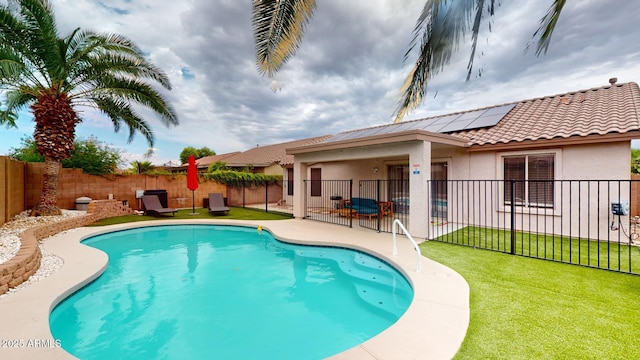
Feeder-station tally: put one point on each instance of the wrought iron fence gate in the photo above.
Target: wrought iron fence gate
(325, 201)
(392, 200)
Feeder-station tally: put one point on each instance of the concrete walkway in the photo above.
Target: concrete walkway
(432, 328)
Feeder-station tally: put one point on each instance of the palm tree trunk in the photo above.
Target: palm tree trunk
(47, 205)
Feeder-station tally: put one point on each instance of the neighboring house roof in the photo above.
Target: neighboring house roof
(267, 155)
(208, 160)
(601, 114)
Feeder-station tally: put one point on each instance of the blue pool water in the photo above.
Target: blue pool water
(226, 292)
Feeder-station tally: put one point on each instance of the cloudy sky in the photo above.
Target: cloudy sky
(348, 71)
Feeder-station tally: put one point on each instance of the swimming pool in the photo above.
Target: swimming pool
(211, 291)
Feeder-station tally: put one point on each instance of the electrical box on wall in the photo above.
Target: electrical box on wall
(620, 208)
(139, 194)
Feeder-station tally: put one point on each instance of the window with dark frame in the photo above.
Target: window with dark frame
(289, 181)
(316, 182)
(533, 176)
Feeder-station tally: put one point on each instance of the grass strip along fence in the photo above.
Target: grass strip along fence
(609, 255)
(581, 222)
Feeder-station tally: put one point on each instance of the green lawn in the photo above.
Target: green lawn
(235, 213)
(600, 254)
(524, 308)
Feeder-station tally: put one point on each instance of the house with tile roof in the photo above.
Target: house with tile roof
(204, 162)
(266, 159)
(580, 135)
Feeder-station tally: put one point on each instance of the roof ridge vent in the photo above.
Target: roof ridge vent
(613, 80)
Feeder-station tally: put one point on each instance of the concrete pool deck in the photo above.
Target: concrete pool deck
(433, 327)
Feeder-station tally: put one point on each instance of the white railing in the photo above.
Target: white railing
(415, 245)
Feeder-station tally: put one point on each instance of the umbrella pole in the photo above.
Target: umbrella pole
(193, 203)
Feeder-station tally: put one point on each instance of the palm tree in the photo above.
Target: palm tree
(279, 25)
(56, 75)
(141, 167)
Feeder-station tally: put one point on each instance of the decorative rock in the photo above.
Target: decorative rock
(28, 258)
(13, 278)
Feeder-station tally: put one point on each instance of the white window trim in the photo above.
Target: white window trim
(557, 170)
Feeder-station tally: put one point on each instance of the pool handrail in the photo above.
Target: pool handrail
(415, 245)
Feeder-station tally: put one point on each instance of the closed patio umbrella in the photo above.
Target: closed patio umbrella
(192, 182)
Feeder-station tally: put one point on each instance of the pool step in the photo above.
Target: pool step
(385, 302)
(357, 266)
(373, 284)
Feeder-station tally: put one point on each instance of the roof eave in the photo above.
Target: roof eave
(410, 135)
(545, 143)
(265, 164)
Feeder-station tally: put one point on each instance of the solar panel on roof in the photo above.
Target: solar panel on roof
(338, 137)
(403, 126)
(479, 119)
(366, 132)
(484, 121)
(378, 130)
(442, 124)
(503, 110)
(471, 115)
(434, 127)
(443, 119)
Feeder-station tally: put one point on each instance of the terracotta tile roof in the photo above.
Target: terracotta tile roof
(263, 156)
(598, 111)
(208, 160)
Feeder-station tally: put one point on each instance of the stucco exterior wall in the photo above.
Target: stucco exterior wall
(598, 161)
(577, 162)
(273, 169)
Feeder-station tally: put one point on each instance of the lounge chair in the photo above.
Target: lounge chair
(216, 203)
(152, 206)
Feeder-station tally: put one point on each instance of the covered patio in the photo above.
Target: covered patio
(399, 156)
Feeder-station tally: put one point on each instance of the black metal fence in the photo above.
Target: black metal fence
(581, 222)
(268, 197)
(325, 201)
(377, 204)
(392, 198)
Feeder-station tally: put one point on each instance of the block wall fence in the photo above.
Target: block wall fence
(73, 183)
(20, 186)
(12, 188)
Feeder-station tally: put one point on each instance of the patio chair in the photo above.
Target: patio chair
(216, 203)
(152, 206)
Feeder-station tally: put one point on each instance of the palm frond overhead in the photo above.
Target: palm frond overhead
(547, 25)
(440, 29)
(278, 28)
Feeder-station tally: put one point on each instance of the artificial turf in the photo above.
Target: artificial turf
(611, 255)
(523, 308)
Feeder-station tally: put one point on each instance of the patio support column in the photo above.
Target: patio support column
(299, 176)
(419, 174)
